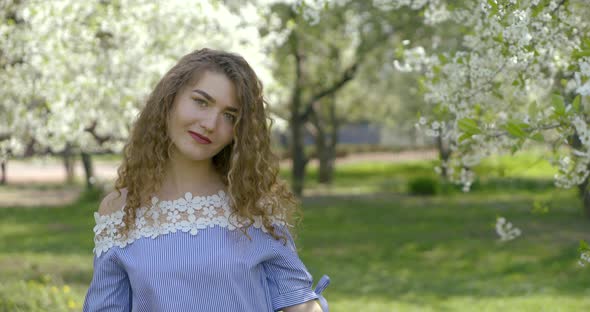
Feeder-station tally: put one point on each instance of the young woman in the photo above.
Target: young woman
(199, 220)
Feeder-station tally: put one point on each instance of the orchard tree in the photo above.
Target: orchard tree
(318, 48)
(521, 76)
(83, 69)
(21, 103)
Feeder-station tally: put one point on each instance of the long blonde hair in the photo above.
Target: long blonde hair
(248, 167)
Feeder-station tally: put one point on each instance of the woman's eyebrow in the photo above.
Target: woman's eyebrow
(212, 100)
(205, 94)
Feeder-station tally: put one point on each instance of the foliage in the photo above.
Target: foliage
(425, 185)
(520, 76)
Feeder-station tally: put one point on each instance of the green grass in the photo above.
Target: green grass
(521, 173)
(46, 256)
(418, 254)
(384, 250)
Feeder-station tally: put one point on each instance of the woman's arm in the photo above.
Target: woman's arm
(289, 281)
(309, 306)
(110, 289)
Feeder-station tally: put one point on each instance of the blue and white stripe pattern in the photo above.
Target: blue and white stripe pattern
(216, 269)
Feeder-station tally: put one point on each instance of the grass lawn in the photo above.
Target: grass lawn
(384, 250)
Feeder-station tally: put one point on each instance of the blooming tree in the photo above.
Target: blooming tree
(521, 75)
(319, 48)
(89, 65)
(74, 74)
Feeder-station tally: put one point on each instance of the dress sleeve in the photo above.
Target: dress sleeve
(289, 280)
(109, 290)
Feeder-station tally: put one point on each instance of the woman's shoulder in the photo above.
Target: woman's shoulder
(112, 202)
(189, 213)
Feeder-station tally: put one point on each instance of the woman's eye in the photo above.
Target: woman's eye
(201, 102)
(231, 117)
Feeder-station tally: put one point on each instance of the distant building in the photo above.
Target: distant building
(362, 132)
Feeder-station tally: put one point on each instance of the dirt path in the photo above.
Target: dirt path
(26, 178)
(28, 196)
(19, 172)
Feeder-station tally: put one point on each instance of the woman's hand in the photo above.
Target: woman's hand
(309, 306)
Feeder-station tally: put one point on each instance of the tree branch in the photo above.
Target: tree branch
(100, 139)
(347, 75)
(542, 127)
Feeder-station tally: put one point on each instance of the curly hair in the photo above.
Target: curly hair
(248, 167)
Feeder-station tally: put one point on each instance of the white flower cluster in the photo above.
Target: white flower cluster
(506, 230)
(311, 9)
(584, 258)
(76, 64)
(582, 78)
(436, 13)
(396, 4)
(571, 173)
(465, 176)
(513, 53)
(415, 59)
(434, 129)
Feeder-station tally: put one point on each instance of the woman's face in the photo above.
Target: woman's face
(207, 108)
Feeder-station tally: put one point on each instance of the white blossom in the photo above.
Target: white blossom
(510, 55)
(506, 230)
(94, 63)
(584, 258)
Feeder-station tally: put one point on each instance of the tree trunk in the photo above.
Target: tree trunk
(298, 156)
(584, 193)
(326, 140)
(326, 170)
(583, 190)
(300, 109)
(320, 145)
(3, 178)
(297, 120)
(69, 162)
(326, 166)
(89, 170)
(444, 152)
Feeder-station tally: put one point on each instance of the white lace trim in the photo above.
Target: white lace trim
(187, 214)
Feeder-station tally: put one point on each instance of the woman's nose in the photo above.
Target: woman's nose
(210, 121)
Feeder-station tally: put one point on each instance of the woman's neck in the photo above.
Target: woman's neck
(184, 175)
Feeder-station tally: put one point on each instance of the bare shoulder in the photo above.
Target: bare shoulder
(112, 202)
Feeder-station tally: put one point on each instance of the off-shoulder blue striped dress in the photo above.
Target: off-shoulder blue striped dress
(189, 255)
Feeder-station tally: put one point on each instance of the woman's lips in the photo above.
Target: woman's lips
(199, 138)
